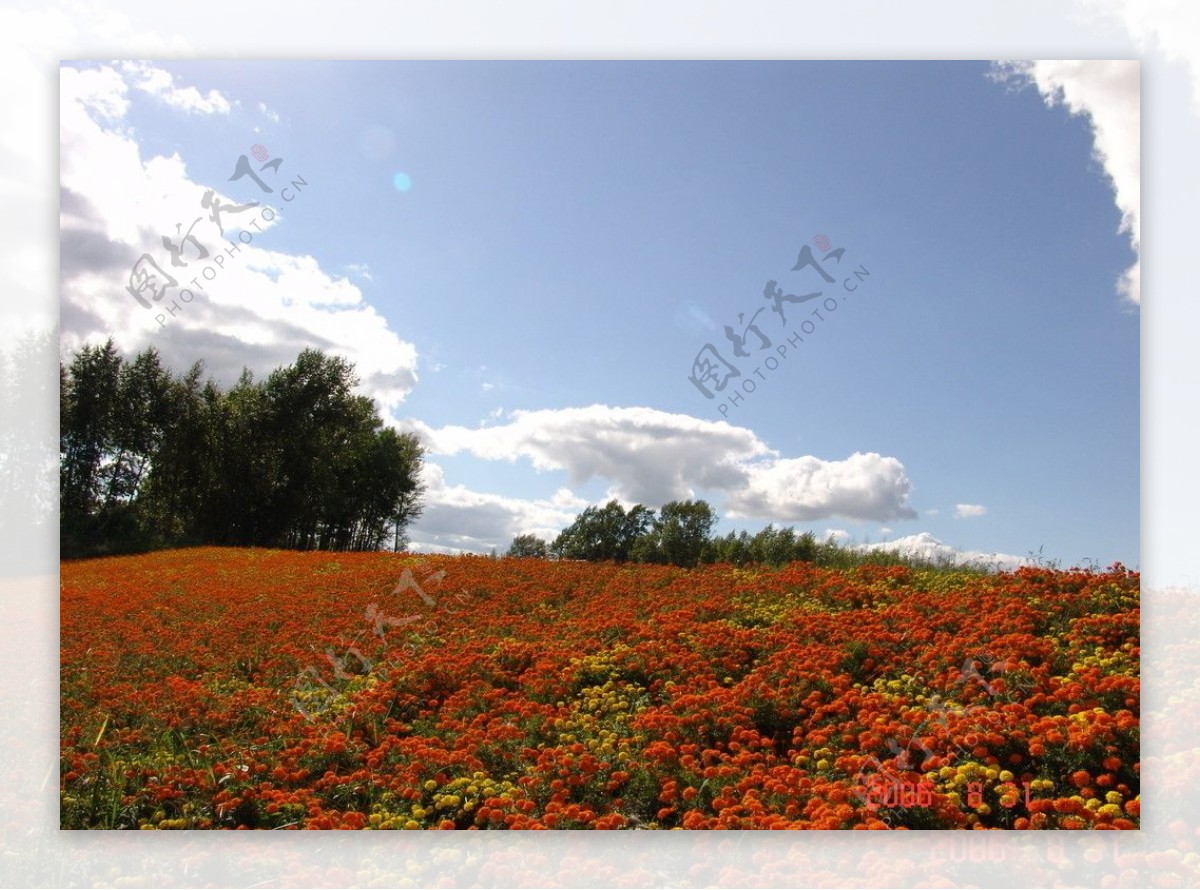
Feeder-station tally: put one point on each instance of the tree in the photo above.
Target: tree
(328, 474)
(179, 499)
(88, 407)
(770, 546)
(648, 549)
(733, 548)
(773, 546)
(87, 412)
(683, 529)
(603, 533)
(528, 546)
(139, 425)
(298, 460)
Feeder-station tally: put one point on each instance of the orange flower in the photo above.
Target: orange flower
(570, 694)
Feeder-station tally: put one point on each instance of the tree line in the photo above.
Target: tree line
(149, 459)
(680, 534)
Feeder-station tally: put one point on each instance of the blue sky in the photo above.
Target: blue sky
(574, 233)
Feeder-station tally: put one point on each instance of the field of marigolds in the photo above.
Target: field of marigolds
(225, 688)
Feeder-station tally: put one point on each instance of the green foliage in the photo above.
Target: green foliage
(603, 533)
(296, 461)
(771, 546)
(681, 535)
(677, 536)
(528, 546)
(683, 528)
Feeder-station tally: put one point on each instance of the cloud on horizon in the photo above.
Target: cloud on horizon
(925, 546)
(652, 457)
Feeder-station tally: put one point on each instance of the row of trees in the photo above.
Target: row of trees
(679, 534)
(150, 459)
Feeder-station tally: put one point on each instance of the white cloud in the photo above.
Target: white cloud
(1109, 94)
(1171, 25)
(863, 486)
(652, 457)
(967, 511)
(260, 308)
(268, 113)
(492, 416)
(161, 84)
(926, 546)
(457, 519)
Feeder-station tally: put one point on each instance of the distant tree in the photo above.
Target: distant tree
(770, 546)
(682, 530)
(806, 548)
(528, 546)
(648, 549)
(733, 548)
(603, 533)
(639, 521)
(773, 546)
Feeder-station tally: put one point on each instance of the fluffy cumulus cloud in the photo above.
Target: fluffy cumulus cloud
(648, 456)
(926, 546)
(652, 457)
(862, 486)
(969, 511)
(1108, 93)
(249, 306)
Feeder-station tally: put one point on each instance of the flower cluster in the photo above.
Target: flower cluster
(577, 695)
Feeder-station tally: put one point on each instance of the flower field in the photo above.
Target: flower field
(255, 689)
